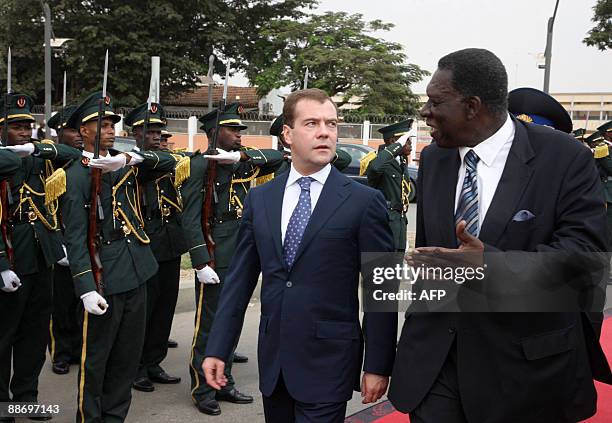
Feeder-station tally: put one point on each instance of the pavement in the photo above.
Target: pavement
(172, 403)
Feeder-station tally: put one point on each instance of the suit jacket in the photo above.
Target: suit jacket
(527, 367)
(309, 327)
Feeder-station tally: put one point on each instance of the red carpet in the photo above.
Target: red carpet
(384, 412)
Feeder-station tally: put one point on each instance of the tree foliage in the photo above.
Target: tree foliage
(600, 35)
(183, 33)
(342, 58)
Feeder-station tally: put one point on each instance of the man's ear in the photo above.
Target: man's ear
(473, 106)
(287, 135)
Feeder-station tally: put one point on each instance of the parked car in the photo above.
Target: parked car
(357, 152)
(124, 144)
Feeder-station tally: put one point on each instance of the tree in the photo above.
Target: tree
(183, 33)
(342, 58)
(601, 34)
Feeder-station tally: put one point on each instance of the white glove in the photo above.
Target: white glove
(64, 261)
(109, 163)
(136, 158)
(403, 139)
(23, 150)
(207, 275)
(10, 281)
(224, 157)
(94, 303)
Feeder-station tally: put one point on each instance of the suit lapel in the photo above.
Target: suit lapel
(334, 193)
(274, 206)
(444, 186)
(514, 180)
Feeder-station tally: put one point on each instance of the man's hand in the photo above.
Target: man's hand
(94, 303)
(22, 150)
(214, 369)
(373, 387)
(404, 139)
(64, 260)
(109, 163)
(207, 275)
(225, 157)
(10, 281)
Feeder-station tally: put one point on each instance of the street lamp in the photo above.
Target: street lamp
(548, 51)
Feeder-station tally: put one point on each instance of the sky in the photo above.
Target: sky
(514, 30)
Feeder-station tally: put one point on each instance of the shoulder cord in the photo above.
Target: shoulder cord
(233, 198)
(134, 205)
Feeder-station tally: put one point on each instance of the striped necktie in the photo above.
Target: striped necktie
(467, 208)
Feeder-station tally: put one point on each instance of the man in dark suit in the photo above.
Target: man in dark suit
(305, 231)
(491, 183)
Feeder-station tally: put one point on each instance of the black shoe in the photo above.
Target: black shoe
(234, 396)
(172, 343)
(240, 358)
(165, 378)
(143, 384)
(210, 407)
(41, 418)
(60, 368)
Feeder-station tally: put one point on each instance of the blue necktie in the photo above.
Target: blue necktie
(467, 208)
(297, 222)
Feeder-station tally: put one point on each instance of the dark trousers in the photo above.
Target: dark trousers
(280, 407)
(442, 403)
(65, 342)
(207, 300)
(162, 293)
(24, 335)
(109, 358)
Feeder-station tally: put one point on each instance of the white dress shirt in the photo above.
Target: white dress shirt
(493, 153)
(293, 190)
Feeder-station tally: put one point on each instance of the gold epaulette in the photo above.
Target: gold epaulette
(55, 185)
(47, 141)
(182, 171)
(601, 151)
(179, 150)
(365, 162)
(263, 179)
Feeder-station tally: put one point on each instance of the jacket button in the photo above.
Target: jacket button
(289, 284)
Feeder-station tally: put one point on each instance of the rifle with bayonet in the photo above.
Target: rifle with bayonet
(95, 206)
(5, 191)
(210, 194)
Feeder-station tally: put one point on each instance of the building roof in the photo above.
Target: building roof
(247, 96)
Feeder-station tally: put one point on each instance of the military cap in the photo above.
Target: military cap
(138, 114)
(535, 106)
(396, 130)
(605, 127)
(579, 133)
(595, 136)
(88, 110)
(19, 108)
(276, 128)
(166, 134)
(60, 119)
(230, 117)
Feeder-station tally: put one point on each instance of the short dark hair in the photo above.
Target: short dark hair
(294, 98)
(478, 72)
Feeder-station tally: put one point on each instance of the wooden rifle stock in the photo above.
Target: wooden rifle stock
(207, 210)
(5, 199)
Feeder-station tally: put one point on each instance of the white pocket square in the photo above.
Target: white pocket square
(522, 216)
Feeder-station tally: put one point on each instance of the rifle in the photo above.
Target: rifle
(5, 191)
(95, 207)
(210, 194)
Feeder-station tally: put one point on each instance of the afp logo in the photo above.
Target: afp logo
(21, 102)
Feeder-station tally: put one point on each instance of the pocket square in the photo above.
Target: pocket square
(522, 216)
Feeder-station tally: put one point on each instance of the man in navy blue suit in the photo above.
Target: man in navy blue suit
(305, 231)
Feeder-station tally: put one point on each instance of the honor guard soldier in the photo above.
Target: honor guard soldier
(215, 214)
(65, 344)
(386, 171)
(110, 259)
(36, 246)
(340, 161)
(161, 207)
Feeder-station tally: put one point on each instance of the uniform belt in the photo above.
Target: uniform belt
(228, 216)
(394, 207)
(26, 217)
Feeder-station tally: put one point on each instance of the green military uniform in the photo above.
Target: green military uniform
(25, 313)
(604, 166)
(65, 334)
(387, 171)
(232, 184)
(111, 341)
(340, 161)
(162, 207)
